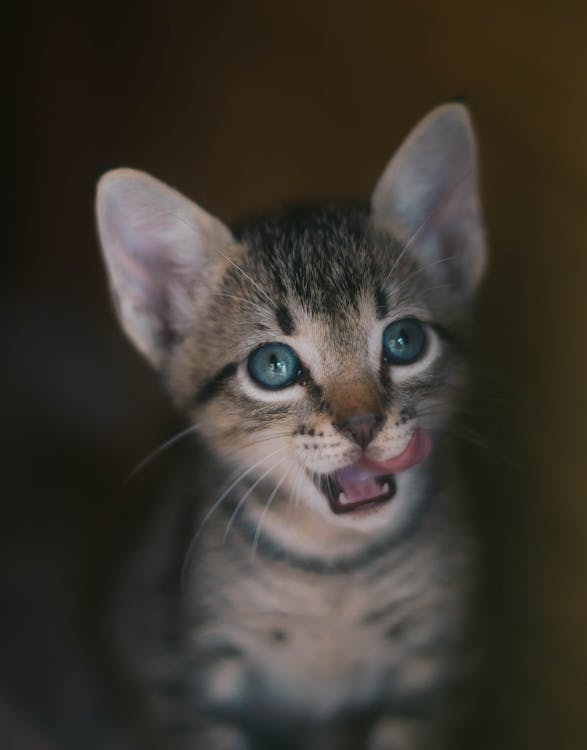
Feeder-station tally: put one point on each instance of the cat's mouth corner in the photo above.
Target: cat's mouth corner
(366, 485)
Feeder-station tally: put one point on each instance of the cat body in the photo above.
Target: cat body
(326, 567)
(337, 644)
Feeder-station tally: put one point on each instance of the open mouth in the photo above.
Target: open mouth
(366, 485)
(352, 488)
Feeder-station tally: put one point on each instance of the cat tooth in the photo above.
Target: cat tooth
(342, 498)
(385, 488)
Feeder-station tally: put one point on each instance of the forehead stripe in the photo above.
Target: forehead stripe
(381, 306)
(215, 384)
(284, 320)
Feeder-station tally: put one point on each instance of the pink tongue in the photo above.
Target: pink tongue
(359, 480)
(357, 483)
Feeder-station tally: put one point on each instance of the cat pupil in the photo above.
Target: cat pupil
(277, 365)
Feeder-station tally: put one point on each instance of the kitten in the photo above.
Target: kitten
(327, 566)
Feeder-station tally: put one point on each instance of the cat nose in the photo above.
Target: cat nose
(361, 429)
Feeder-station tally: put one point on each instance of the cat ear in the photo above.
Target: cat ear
(161, 252)
(428, 198)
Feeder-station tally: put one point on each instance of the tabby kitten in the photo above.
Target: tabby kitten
(327, 571)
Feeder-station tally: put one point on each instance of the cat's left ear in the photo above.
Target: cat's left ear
(428, 198)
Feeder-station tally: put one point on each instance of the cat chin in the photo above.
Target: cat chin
(314, 525)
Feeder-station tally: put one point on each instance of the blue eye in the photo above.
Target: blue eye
(274, 366)
(404, 342)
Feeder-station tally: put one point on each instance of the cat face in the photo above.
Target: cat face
(336, 366)
(315, 348)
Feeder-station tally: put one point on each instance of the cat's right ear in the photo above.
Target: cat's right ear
(162, 254)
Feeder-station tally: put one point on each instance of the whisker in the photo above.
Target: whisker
(411, 239)
(436, 287)
(233, 484)
(235, 297)
(316, 478)
(405, 282)
(298, 490)
(159, 450)
(428, 266)
(216, 505)
(408, 244)
(235, 449)
(264, 513)
(249, 278)
(313, 475)
(233, 263)
(243, 499)
(486, 446)
(329, 484)
(156, 452)
(255, 306)
(293, 496)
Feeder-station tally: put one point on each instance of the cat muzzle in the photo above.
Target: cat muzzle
(366, 484)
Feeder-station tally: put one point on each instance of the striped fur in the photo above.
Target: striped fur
(266, 620)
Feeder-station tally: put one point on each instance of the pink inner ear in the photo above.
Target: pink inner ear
(134, 268)
(128, 256)
(142, 245)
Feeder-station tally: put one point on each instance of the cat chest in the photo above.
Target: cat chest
(297, 648)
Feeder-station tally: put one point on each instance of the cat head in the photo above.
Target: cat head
(317, 349)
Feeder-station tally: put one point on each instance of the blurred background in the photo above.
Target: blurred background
(245, 106)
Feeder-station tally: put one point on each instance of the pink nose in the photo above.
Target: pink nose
(361, 429)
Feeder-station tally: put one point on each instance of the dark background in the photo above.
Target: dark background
(244, 106)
